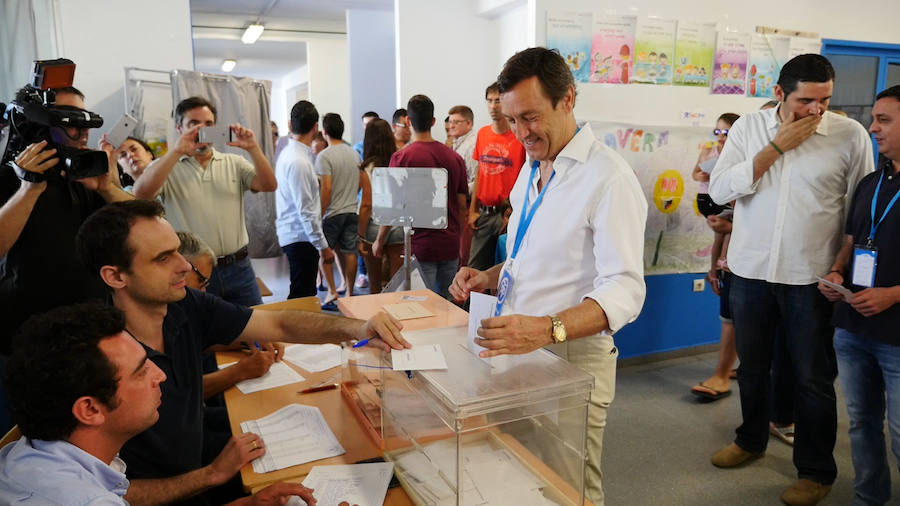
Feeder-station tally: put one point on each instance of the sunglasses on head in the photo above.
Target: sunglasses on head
(204, 281)
(720, 131)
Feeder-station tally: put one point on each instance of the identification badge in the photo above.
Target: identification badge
(865, 260)
(504, 287)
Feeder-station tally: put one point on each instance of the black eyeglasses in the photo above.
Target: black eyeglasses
(204, 281)
(720, 131)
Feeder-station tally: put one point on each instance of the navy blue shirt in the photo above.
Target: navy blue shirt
(174, 445)
(883, 326)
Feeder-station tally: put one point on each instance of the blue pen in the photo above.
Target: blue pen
(361, 343)
(256, 343)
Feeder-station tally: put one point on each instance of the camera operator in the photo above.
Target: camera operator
(39, 269)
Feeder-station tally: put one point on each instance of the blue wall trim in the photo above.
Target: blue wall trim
(674, 317)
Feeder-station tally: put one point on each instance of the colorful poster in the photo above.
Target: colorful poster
(803, 45)
(767, 54)
(694, 46)
(654, 51)
(730, 67)
(612, 48)
(677, 238)
(570, 34)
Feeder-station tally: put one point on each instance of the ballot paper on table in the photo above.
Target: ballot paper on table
(845, 292)
(313, 357)
(362, 484)
(293, 435)
(420, 357)
(279, 374)
(407, 310)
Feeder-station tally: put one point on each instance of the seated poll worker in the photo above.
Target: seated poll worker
(135, 251)
(576, 237)
(80, 387)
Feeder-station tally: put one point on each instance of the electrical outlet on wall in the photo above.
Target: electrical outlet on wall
(699, 285)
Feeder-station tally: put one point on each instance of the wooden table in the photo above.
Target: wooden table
(446, 314)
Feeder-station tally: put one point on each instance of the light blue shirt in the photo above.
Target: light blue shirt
(33, 471)
(297, 204)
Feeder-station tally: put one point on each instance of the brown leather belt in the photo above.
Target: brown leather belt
(231, 258)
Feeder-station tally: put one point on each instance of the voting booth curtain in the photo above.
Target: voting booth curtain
(246, 101)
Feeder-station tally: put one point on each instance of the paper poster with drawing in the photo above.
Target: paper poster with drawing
(730, 66)
(612, 48)
(694, 46)
(654, 51)
(767, 54)
(804, 45)
(570, 34)
(677, 238)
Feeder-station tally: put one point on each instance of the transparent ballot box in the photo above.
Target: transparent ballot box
(512, 430)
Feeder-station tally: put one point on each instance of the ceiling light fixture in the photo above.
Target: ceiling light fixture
(228, 65)
(252, 33)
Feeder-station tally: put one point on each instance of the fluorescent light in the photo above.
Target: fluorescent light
(252, 33)
(228, 65)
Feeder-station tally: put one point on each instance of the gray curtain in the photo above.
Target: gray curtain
(18, 46)
(246, 101)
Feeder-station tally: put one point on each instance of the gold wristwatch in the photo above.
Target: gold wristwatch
(558, 332)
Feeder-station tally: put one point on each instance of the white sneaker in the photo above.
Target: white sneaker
(362, 281)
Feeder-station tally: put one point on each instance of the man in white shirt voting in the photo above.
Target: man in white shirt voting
(791, 171)
(576, 236)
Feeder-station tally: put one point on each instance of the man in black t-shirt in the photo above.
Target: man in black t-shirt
(135, 252)
(866, 337)
(38, 221)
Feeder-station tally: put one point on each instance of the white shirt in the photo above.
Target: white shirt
(586, 239)
(298, 207)
(464, 147)
(788, 224)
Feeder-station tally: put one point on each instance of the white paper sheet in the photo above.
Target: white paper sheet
(293, 435)
(361, 484)
(279, 374)
(407, 310)
(481, 307)
(845, 293)
(419, 358)
(313, 357)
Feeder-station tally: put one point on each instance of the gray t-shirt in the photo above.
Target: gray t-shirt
(341, 162)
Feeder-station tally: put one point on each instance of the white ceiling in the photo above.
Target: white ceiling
(218, 26)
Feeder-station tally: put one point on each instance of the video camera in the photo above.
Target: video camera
(33, 112)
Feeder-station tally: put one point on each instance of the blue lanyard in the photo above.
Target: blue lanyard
(528, 214)
(875, 224)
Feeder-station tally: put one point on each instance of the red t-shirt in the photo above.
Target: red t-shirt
(500, 156)
(430, 245)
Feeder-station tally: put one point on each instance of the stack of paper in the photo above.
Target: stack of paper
(313, 357)
(491, 476)
(279, 374)
(293, 435)
(361, 484)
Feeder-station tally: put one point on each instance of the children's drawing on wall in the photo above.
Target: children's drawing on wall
(767, 54)
(730, 66)
(570, 34)
(654, 51)
(694, 45)
(612, 47)
(677, 238)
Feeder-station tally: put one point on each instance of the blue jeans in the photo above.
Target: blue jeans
(805, 315)
(439, 275)
(235, 283)
(869, 371)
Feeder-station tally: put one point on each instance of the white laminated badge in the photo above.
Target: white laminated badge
(864, 262)
(504, 286)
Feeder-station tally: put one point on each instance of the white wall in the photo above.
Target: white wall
(448, 52)
(283, 97)
(664, 105)
(104, 36)
(329, 80)
(373, 76)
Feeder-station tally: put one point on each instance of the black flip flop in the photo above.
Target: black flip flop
(716, 395)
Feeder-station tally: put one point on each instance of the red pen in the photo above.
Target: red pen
(318, 389)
